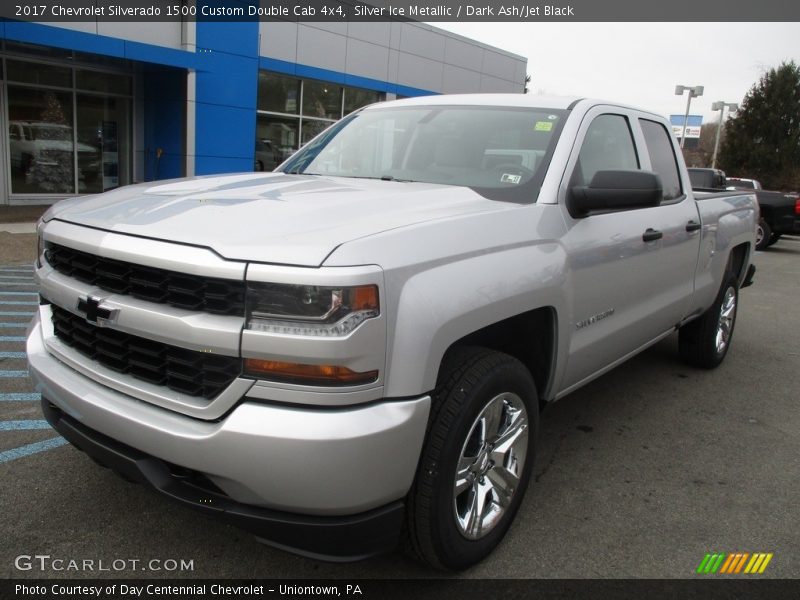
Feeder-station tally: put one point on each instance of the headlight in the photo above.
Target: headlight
(309, 309)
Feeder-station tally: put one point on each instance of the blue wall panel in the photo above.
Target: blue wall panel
(227, 79)
(227, 83)
(226, 130)
(214, 164)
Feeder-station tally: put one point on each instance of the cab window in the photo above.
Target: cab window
(608, 145)
(662, 157)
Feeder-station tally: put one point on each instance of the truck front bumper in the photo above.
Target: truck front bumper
(326, 482)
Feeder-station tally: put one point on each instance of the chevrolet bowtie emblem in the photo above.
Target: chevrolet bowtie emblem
(95, 313)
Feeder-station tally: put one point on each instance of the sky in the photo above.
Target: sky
(641, 63)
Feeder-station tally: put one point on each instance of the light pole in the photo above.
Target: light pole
(720, 106)
(694, 91)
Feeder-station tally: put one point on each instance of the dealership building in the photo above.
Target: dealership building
(90, 106)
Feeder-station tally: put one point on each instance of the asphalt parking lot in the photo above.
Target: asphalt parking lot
(639, 474)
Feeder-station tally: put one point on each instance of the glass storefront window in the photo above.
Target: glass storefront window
(98, 60)
(103, 142)
(94, 81)
(278, 135)
(40, 51)
(69, 128)
(37, 73)
(277, 93)
(276, 140)
(355, 98)
(322, 100)
(312, 127)
(40, 137)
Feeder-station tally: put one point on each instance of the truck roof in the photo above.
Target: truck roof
(511, 100)
(554, 102)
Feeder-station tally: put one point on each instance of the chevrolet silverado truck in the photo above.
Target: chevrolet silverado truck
(355, 349)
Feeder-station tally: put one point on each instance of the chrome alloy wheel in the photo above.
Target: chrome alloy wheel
(490, 465)
(727, 313)
(759, 234)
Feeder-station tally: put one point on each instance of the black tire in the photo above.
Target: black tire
(773, 239)
(471, 381)
(763, 234)
(698, 341)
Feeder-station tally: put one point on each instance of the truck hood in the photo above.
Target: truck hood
(269, 217)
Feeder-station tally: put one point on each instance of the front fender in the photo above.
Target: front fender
(444, 303)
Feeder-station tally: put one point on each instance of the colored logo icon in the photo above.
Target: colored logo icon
(734, 563)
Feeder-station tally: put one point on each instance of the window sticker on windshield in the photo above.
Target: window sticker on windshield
(543, 126)
(509, 178)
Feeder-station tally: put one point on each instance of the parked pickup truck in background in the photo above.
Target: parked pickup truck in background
(707, 180)
(739, 183)
(360, 343)
(780, 211)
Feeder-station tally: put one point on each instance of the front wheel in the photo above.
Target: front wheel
(705, 341)
(477, 458)
(763, 234)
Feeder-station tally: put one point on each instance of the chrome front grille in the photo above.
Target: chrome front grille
(186, 371)
(202, 294)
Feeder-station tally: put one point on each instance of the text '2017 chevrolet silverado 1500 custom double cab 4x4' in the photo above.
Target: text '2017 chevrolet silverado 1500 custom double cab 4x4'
(359, 343)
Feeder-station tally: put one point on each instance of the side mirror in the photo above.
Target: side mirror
(616, 190)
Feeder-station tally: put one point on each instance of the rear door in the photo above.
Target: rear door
(631, 271)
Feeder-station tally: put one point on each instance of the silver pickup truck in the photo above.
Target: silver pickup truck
(359, 344)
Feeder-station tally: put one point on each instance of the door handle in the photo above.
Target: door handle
(693, 226)
(651, 235)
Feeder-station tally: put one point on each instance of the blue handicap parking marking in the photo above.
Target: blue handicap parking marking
(29, 449)
(12, 374)
(26, 425)
(21, 397)
(17, 289)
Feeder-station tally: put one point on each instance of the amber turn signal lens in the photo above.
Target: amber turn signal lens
(365, 297)
(276, 370)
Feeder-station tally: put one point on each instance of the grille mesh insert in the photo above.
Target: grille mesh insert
(186, 371)
(204, 294)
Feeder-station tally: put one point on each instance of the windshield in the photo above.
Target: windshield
(500, 152)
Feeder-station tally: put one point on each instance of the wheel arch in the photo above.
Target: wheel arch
(738, 261)
(510, 336)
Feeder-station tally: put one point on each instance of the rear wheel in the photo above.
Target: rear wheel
(763, 234)
(477, 458)
(704, 342)
(774, 238)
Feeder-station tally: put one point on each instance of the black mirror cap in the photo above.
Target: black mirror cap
(616, 190)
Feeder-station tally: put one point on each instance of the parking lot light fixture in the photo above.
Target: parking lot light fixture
(694, 91)
(720, 106)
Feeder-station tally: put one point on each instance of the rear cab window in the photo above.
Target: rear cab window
(662, 158)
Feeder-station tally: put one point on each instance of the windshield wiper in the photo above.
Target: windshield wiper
(382, 178)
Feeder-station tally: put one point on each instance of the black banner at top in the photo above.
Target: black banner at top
(511, 11)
